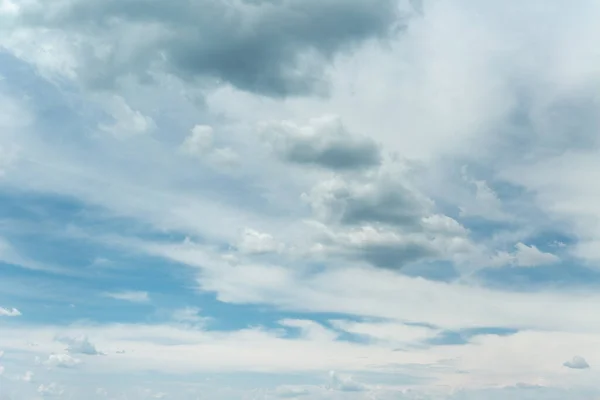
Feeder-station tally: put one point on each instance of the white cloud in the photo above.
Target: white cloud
(51, 390)
(255, 242)
(9, 312)
(467, 83)
(528, 256)
(385, 294)
(200, 144)
(61, 361)
(28, 376)
(131, 296)
(566, 194)
(8, 7)
(127, 122)
(525, 256)
(485, 202)
(489, 359)
(344, 383)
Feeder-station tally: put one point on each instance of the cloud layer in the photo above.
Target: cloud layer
(320, 199)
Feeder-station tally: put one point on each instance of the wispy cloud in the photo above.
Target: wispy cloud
(131, 296)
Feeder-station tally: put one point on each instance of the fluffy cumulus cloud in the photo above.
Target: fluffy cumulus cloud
(320, 199)
(61, 361)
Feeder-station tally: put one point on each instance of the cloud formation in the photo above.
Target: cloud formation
(79, 345)
(273, 48)
(345, 232)
(61, 361)
(323, 142)
(577, 363)
(9, 312)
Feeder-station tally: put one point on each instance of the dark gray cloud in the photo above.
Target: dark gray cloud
(276, 48)
(324, 142)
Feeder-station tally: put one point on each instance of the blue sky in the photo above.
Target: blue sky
(317, 199)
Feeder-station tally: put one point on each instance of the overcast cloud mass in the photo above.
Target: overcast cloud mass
(313, 199)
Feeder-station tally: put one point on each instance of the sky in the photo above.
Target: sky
(312, 199)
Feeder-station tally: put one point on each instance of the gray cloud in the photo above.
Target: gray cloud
(393, 247)
(380, 218)
(275, 48)
(324, 142)
(577, 363)
(384, 199)
(395, 255)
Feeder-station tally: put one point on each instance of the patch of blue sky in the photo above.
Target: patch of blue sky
(464, 336)
(29, 218)
(562, 275)
(41, 226)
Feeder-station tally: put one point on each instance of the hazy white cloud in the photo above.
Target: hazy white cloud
(254, 242)
(131, 296)
(51, 390)
(200, 143)
(79, 345)
(189, 315)
(61, 361)
(485, 202)
(28, 376)
(126, 122)
(344, 383)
